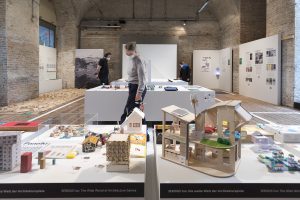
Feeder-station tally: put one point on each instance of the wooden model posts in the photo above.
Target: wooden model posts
(216, 154)
(118, 153)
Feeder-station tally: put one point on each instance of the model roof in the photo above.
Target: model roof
(171, 110)
(91, 139)
(135, 112)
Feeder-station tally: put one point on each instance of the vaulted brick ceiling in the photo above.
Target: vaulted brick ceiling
(219, 9)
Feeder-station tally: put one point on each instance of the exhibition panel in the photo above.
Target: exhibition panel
(260, 69)
(161, 57)
(213, 69)
(108, 103)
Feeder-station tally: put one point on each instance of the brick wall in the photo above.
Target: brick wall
(196, 35)
(281, 20)
(3, 55)
(297, 52)
(22, 50)
(253, 20)
(67, 33)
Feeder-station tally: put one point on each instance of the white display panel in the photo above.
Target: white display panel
(213, 69)
(163, 59)
(48, 70)
(260, 69)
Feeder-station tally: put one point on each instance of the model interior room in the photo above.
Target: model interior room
(149, 99)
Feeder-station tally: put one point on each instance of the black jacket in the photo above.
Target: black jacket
(104, 71)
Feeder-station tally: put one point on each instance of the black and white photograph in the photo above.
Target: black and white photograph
(271, 53)
(86, 67)
(259, 58)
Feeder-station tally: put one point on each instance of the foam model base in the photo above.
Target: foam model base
(20, 126)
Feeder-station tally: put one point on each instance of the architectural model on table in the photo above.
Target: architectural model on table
(10, 150)
(118, 153)
(133, 123)
(216, 154)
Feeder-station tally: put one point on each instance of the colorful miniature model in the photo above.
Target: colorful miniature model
(133, 123)
(10, 150)
(26, 162)
(118, 153)
(68, 131)
(278, 162)
(216, 154)
(90, 144)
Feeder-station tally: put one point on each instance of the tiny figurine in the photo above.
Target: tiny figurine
(214, 151)
(53, 161)
(134, 122)
(10, 150)
(118, 153)
(90, 144)
(26, 162)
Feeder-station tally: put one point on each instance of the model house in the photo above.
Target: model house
(134, 122)
(118, 153)
(90, 144)
(216, 154)
(10, 150)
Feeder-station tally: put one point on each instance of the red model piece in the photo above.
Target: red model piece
(26, 162)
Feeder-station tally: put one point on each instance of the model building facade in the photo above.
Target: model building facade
(216, 154)
(118, 153)
(134, 122)
(90, 144)
(10, 150)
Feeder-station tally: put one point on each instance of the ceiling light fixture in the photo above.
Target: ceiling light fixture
(203, 7)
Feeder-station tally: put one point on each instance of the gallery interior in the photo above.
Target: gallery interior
(149, 99)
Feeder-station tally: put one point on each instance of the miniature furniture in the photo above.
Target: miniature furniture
(10, 150)
(90, 144)
(133, 123)
(216, 154)
(118, 153)
(26, 162)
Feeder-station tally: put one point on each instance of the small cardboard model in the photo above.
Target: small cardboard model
(134, 122)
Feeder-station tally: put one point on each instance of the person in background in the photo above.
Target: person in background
(184, 71)
(136, 81)
(103, 70)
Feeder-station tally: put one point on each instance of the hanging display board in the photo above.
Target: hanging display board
(213, 69)
(86, 63)
(260, 70)
(48, 70)
(162, 59)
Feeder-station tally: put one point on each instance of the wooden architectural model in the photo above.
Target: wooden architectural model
(134, 122)
(90, 144)
(118, 153)
(10, 150)
(216, 154)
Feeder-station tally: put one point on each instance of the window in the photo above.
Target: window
(136, 125)
(47, 34)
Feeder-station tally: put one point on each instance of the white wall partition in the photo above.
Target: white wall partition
(48, 70)
(163, 59)
(260, 69)
(213, 69)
